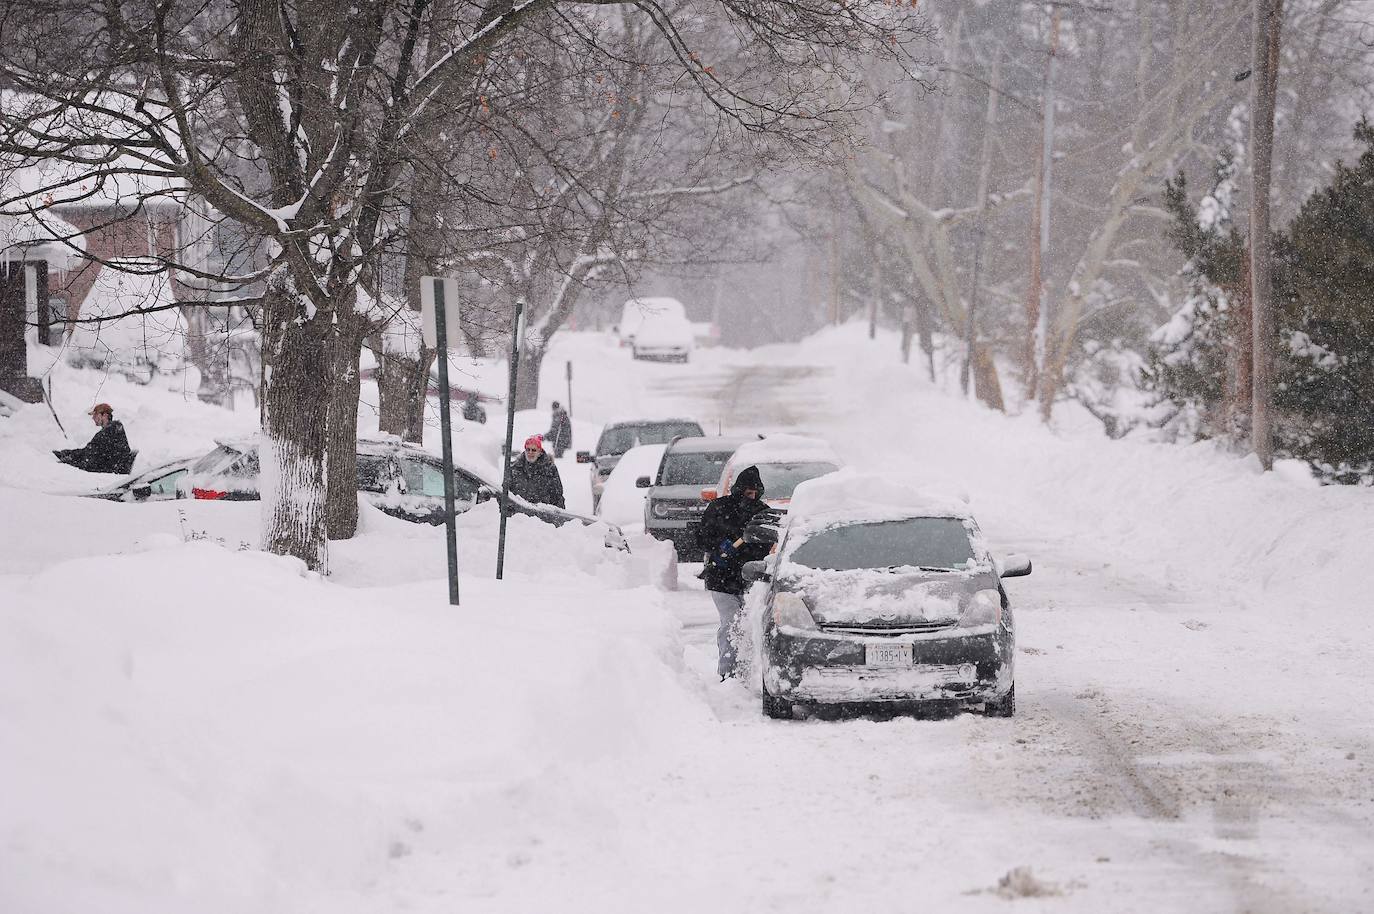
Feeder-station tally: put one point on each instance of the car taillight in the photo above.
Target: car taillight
(208, 494)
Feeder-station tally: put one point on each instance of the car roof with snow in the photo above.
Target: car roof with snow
(709, 444)
(632, 421)
(851, 496)
(785, 449)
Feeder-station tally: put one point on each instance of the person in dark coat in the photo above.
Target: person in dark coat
(720, 537)
(473, 411)
(534, 476)
(559, 434)
(108, 450)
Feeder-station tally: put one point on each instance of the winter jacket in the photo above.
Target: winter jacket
(537, 482)
(108, 451)
(722, 524)
(559, 435)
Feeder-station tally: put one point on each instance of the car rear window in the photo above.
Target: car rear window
(780, 480)
(692, 469)
(922, 542)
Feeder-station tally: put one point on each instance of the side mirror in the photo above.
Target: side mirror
(709, 494)
(485, 493)
(584, 456)
(141, 493)
(643, 482)
(753, 572)
(1014, 566)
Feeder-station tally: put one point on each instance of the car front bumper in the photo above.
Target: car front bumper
(969, 666)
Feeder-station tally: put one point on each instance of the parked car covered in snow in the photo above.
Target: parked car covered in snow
(636, 311)
(664, 338)
(673, 505)
(784, 462)
(397, 478)
(619, 436)
(878, 593)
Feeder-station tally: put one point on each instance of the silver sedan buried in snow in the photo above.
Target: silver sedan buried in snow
(886, 608)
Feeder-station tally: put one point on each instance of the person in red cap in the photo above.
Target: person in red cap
(534, 476)
(108, 451)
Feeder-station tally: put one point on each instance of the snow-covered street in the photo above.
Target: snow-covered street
(184, 725)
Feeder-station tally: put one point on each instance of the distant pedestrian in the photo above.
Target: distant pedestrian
(108, 450)
(721, 538)
(559, 434)
(473, 411)
(534, 476)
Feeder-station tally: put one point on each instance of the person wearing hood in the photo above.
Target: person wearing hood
(720, 537)
(534, 476)
(108, 450)
(559, 434)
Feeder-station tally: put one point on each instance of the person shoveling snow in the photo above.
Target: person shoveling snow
(108, 450)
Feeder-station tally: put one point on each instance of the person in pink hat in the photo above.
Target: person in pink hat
(534, 476)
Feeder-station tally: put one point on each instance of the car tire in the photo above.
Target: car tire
(1002, 707)
(776, 708)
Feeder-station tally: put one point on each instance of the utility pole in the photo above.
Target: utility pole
(1268, 19)
(1036, 318)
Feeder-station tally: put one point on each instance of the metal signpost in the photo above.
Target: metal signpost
(570, 390)
(516, 339)
(435, 319)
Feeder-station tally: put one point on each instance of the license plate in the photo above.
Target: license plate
(887, 655)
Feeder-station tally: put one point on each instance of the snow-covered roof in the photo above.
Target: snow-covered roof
(852, 495)
(785, 449)
(47, 238)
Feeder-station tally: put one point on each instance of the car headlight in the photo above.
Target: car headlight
(983, 609)
(790, 610)
(661, 509)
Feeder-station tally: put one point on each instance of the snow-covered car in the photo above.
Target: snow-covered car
(636, 311)
(664, 338)
(622, 501)
(398, 478)
(673, 505)
(619, 436)
(784, 462)
(879, 593)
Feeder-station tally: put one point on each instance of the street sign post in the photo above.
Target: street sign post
(570, 390)
(435, 294)
(517, 337)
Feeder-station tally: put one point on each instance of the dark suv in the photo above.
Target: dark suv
(618, 437)
(673, 506)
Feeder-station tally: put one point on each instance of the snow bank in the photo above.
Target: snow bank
(196, 728)
(622, 503)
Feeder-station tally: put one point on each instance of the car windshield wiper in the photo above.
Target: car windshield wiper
(919, 568)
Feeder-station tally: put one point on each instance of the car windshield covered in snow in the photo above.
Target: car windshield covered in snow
(780, 479)
(225, 460)
(914, 542)
(619, 439)
(689, 469)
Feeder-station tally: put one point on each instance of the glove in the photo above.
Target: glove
(725, 553)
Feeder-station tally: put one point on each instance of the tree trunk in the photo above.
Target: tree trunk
(403, 388)
(1235, 413)
(345, 346)
(986, 385)
(295, 410)
(527, 378)
(1268, 16)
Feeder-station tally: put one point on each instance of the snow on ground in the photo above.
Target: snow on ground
(187, 725)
